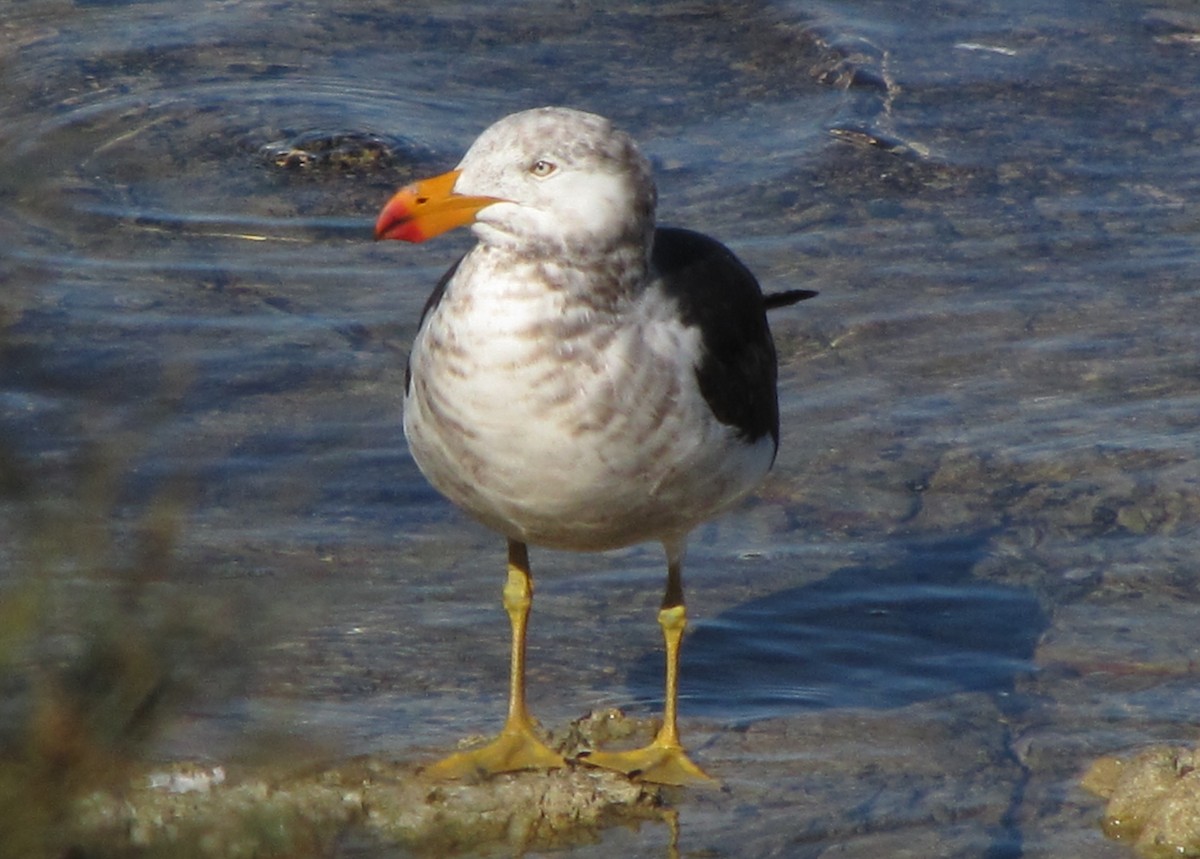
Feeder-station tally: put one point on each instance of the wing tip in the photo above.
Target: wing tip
(773, 300)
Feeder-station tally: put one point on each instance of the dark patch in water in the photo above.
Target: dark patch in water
(919, 629)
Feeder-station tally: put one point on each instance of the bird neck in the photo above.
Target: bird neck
(605, 280)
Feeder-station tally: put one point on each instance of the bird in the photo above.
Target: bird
(582, 379)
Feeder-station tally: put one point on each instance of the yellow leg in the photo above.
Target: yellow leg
(517, 747)
(664, 761)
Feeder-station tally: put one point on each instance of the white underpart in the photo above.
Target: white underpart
(590, 443)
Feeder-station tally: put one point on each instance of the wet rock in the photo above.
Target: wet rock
(341, 151)
(1153, 800)
(203, 810)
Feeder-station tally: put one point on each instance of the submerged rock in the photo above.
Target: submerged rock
(346, 151)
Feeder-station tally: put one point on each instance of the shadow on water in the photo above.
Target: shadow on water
(917, 629)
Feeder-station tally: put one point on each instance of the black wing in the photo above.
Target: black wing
(719, 295)
(433, 301)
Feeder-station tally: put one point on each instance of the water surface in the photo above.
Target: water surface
(973, 567)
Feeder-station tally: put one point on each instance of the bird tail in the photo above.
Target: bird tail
(772, 300)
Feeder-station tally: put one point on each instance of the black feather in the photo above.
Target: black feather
(787, 298)
(719, 295)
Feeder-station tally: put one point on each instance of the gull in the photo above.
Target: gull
(582, 379)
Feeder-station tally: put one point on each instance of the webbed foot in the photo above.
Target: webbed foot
(658, 763)
(513, 750)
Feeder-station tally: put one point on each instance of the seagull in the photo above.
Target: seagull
(582, 379)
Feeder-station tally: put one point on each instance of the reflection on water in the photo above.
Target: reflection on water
(996, 204)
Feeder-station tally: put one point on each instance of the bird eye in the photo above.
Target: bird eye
(542, 168)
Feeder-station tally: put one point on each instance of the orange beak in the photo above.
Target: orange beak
(428, 208)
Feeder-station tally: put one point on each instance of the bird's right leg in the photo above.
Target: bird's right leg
(517, 747)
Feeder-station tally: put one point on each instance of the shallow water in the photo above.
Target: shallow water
(973, 568)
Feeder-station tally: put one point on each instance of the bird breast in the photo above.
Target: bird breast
(565, 418)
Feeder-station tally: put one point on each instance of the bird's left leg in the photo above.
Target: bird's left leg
(664, 761)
